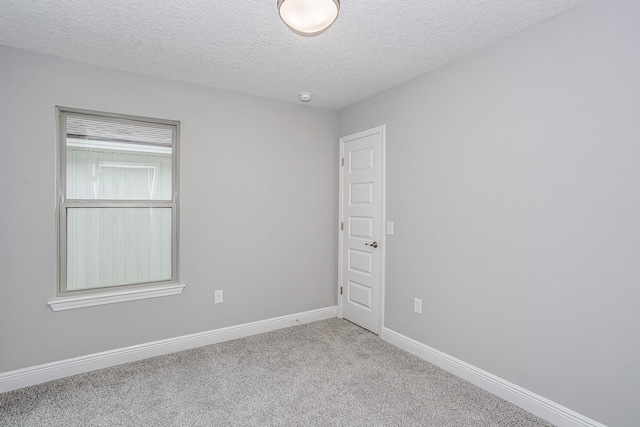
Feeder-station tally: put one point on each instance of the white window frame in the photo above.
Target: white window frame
(71, 299)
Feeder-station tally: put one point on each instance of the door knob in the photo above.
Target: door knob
(374, 244)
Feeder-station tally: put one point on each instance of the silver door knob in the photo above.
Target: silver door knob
(374, 244)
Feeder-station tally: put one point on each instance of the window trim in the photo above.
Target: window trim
(66, 299)
(80, 301)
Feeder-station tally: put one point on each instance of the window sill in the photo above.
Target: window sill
(70, 303)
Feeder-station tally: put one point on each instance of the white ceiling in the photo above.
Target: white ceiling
(243, 46)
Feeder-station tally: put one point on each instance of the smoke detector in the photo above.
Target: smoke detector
(305, 96)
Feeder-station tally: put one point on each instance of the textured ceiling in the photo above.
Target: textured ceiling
(243, 46)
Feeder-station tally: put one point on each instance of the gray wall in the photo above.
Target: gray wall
(513, 179)
(258, 209)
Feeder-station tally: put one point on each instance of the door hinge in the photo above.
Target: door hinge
(343, 161)
(342, 226)
(340, 290)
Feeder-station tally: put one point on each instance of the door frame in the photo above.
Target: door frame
(383, 235)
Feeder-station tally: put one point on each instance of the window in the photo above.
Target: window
(118, 208)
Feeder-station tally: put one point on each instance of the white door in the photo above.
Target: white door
(361, 235)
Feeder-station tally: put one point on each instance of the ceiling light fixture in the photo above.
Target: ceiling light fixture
(308, 17)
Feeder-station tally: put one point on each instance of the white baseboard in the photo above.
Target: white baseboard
(19, 378)
(535, 404)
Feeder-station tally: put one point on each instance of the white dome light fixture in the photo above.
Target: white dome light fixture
(308, 17)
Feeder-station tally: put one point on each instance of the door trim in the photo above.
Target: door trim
(383, 239)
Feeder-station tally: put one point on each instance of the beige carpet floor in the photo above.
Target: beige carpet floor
(327, 373)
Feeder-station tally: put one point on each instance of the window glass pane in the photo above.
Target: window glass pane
(112, 175)
(117, 161)
(117, 246)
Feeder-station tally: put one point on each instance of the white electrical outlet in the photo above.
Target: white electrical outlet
(219, 297)
(390, 228)
(417, 305)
